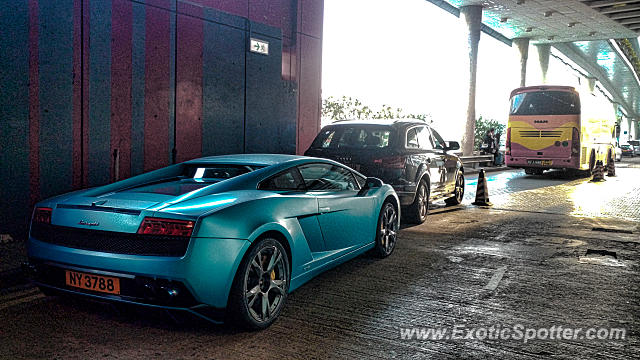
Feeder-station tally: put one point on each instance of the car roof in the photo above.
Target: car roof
(387, 122)
(246, 159)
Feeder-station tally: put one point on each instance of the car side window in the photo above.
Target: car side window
(327, 177)
(289, 180)
(412, 139)
(424, 138)
(438, 143)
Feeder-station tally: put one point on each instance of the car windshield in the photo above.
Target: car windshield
(545, 103)
(193, 178)
(353, 137)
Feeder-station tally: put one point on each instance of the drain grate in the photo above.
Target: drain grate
(622, 231)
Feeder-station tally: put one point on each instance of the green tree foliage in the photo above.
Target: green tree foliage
(348, 108)
(483, 126)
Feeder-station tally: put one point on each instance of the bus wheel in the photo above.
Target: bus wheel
(592, 162)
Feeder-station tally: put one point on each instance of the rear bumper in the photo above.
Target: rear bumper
(204, 275)
(406, 193)
(556, 163)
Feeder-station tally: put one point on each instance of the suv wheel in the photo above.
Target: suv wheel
(458, 192)
(417, 211)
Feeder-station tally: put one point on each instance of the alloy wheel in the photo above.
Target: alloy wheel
(388, 229)
(266, 283)
(459, 190)
(423, 201)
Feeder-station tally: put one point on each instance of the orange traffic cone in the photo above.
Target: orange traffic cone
(611, 168)
(598, 172)
(482, 192)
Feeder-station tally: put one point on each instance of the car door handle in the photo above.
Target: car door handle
(324, 210)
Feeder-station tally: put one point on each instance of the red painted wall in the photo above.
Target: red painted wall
(146, 72)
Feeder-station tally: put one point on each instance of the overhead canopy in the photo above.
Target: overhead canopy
(579, 29)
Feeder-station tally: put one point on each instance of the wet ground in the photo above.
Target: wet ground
(553, 251)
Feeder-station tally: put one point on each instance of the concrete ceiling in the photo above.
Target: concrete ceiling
(582, 30)
(551, 21)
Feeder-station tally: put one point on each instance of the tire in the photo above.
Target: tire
(254, 283)
(387, 230)
(458, 191)
(592, 163)
(418, 210)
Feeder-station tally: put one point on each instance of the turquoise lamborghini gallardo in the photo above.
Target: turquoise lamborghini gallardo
(222, 237)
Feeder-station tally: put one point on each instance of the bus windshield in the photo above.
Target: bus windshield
(545, 103)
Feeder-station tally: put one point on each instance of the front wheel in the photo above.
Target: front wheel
(417, 211)
(387, 231)
(458, 191)
(259, 290)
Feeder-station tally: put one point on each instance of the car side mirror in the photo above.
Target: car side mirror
(370, 183)
(452, 145)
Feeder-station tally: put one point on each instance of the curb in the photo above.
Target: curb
(486, 169)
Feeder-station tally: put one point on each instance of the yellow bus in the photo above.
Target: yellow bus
(554, 127)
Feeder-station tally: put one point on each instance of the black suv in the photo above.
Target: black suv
(408, 154)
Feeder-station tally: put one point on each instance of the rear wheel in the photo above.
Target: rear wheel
(259, 290)
(387, 231)
(592, 162)
(417, 211)
(458, 192)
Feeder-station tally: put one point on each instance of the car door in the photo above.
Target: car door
(431, 158)
(449, 162)
(302, 205)
(342, 212)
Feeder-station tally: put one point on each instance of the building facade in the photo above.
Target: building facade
(93, 91)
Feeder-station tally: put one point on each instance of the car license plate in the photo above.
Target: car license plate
(104, 284)
(539, 162)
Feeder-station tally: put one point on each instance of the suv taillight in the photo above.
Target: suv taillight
(508, 142)
(575, 142)
(42, 215)
(166, 227)
(391, 162)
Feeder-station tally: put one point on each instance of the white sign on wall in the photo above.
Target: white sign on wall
(259, 46)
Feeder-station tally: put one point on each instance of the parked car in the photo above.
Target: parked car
(635, 144)
(627, 150)
(223, 235)
(408, 154)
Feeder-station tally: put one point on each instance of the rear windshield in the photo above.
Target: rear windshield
(545, 103)
(193, 178)
(353, 137)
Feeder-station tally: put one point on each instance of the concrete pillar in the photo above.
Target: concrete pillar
(523, 48)
(544, 50)
(472, 16)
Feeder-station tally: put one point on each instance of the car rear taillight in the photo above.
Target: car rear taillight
(391, 162)
(167, 227)
(508, 142)
(42, 215)
(575, 142)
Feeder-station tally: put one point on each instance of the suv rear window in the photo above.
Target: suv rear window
(353, 137)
